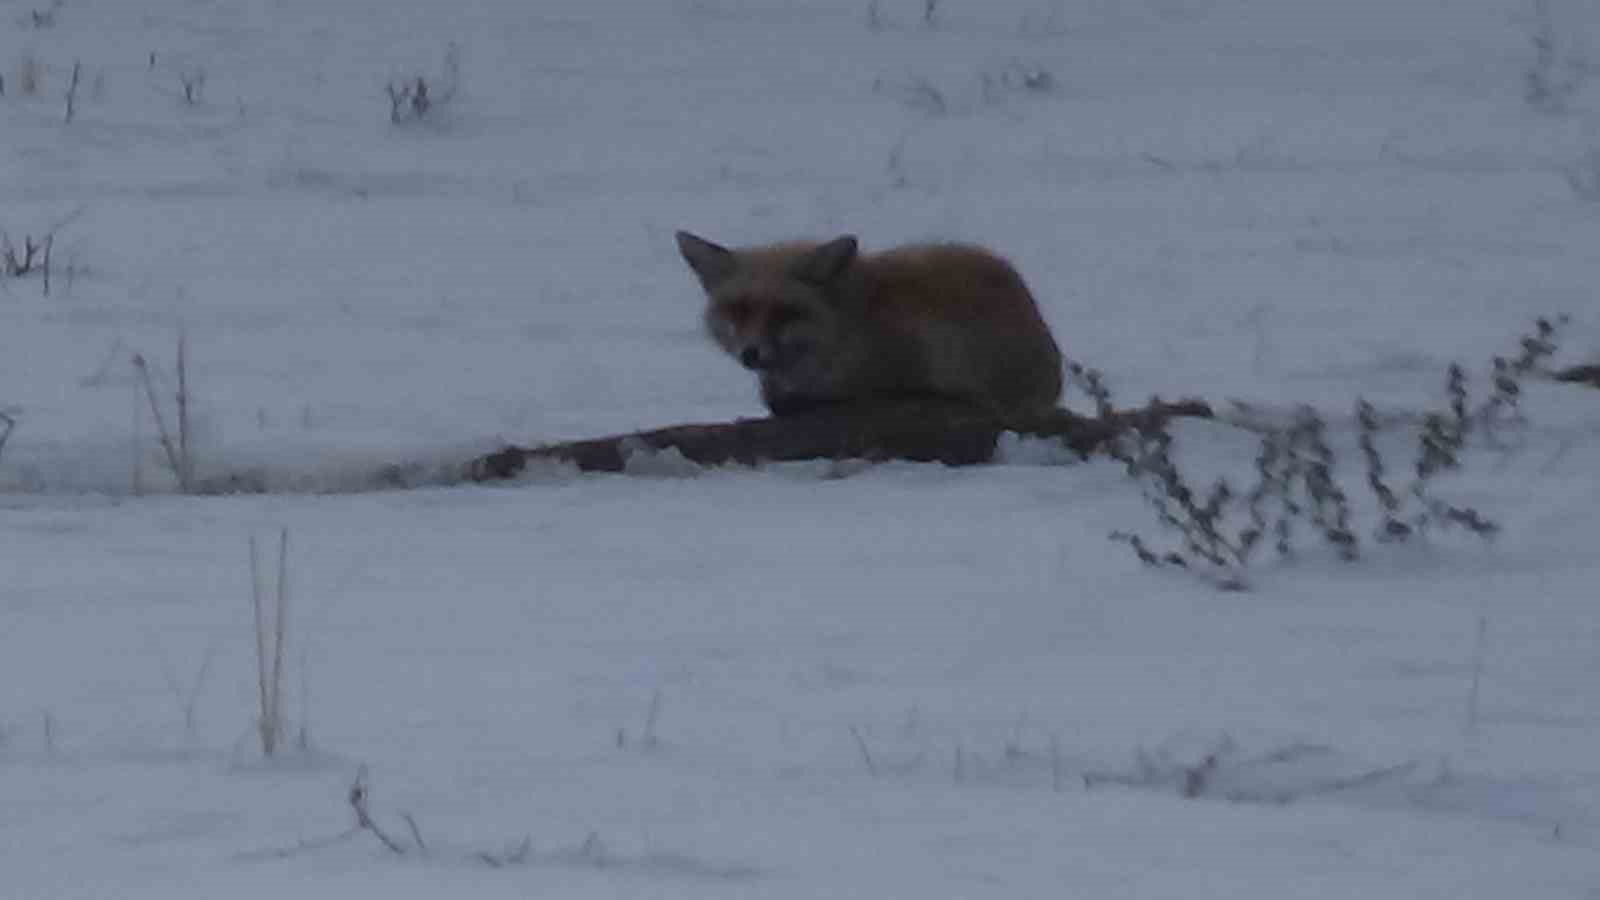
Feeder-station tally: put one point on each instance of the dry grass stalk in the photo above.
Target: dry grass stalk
(167, 444)
(271, 639)
(72, 91)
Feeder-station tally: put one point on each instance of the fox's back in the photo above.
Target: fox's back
(975, 318)
(959, 282)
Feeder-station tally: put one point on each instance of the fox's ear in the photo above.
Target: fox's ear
(713, 263)
(827, 262)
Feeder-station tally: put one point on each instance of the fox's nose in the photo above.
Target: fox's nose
(751, 357)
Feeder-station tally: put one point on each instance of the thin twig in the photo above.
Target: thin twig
(136, 484)
(193, 697)
(358, 803)
(649, 737)
(301, 846)
(280, 630)
(72, 91)
(1478, 653)
(67, 219)
(304, 739)
(188, 698)
(257, 596)
(7, 425)
(155, 410)
(185, 460)
(416, 833)
(517, 855)
(1282, 755)
(523, 849)
(866, 752)
(1326, 786)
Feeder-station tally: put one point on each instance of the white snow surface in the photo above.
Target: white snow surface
(799, 681)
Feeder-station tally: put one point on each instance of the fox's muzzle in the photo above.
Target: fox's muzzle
(760, 357)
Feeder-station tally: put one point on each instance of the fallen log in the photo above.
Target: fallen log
(921, 430)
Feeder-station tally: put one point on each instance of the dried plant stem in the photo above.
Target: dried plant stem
(72, 91)
(280, 630)
(179, 450)
(866, 752)
(7, 425)
(514, 856)
(649, 737)
(167, 444)
(49, 244)
(1479, 650)
(185, 460)
(416, 833)
(271, 641)
(358, 804)
(137, 483)
(257, 592)
(188, 698)
(303, 740)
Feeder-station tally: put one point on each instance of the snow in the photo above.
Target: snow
(806, 679)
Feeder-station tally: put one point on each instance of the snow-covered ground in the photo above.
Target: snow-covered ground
(911, 681)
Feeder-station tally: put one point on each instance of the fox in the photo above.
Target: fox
(823, 324)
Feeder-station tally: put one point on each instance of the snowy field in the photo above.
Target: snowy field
(910, 682)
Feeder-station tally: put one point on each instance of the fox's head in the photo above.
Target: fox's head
(778, 310)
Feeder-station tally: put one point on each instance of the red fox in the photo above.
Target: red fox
(821, 324)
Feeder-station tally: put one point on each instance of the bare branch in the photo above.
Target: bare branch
(923, 430)
(358, 804)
